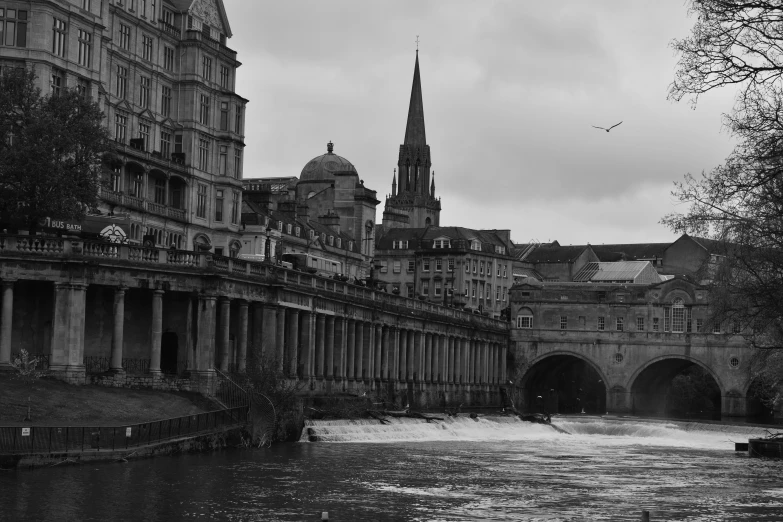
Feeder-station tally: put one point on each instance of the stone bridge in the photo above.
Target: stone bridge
(125, 315)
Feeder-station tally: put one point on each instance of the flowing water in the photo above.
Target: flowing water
(493, 468)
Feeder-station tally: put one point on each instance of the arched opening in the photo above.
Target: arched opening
(564, 384)
(156, 192)
(201, 243)
(427, 222)
(169, 346)
(676, 388)
(759, 406)
(134, 180)
(177, 193)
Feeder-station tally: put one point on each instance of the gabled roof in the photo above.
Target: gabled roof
(184, 6)
(618, 272)
(556, 254)
(629, 251)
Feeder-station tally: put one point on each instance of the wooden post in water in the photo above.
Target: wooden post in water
(645, 516)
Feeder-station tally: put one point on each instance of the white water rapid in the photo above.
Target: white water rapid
(611, 430)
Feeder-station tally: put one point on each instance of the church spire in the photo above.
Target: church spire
(394, 183)
(414, 131)
(432, 185)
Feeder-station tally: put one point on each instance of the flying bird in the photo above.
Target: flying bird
(607, 130)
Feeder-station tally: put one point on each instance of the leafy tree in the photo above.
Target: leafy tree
(50, 151)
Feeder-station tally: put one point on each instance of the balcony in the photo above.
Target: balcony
(126, 200)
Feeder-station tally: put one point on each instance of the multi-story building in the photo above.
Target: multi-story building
(449, 265)
(165, 79)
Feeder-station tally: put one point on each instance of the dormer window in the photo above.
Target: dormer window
(323, 237)
(400, 245)
(312, 234)
(441, 243)
(339, 242)
(350, 245)
(475, 245)
(280, 226)
(298, 231)
(331, 240)
(290, 227)
(500, 249)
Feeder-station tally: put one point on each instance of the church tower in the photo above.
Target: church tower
(412, 203)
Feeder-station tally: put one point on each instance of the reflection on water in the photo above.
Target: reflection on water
(457, 470)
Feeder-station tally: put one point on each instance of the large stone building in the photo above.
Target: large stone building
(164, 77)
(412, 203)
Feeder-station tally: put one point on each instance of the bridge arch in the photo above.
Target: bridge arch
(566, 382)
(676, 385)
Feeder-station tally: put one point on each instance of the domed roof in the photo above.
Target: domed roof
(322, 168)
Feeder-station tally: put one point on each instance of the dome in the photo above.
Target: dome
(322, 168)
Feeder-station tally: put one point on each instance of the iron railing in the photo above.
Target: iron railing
(60, 439)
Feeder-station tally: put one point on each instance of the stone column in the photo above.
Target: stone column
(379, 352)
(384, 372)
(403, 368)
(394, 354)
(6, 324)
(329, 363)
(428, 357)
(437, 343)
(320, 345)
(156, 330)
(502, 355)
(493, 365)
(411, 370)
(450, 360)
(291, 357)
(350, 357)
(485, 362)
(242, 337)
(307, 344)
(360, 351)
(277, 339)
(472, 366)
(418, 354)
(257, 330)
(119, 325)
(205, 333)
(461, 362)
(223, 338)
(339, 348)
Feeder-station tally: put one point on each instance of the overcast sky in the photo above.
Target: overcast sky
(510, 92)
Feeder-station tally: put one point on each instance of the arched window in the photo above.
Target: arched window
(525, 318)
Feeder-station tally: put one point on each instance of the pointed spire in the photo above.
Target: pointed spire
(432, 185)
(414, 131)
(394, 183)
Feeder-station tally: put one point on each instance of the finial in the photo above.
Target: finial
(329, 147)
(417, 43)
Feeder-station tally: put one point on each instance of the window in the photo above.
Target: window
(85, 48)
(120, 126)
(563, 322)
(206, 67)
(409, 291)
(437, 287)
(425, 265)
(201, 202)
(475, 267)
(160, 191)
(143, 7)
(116, 179)
(678, 316)
(297, 231)
(146, 47)
(238, 163)
(14, 21)
(144, 91)
(399, 245)
(620, 324)
(218, 205)
(425, 287)
(450, 265)
(224, 116)
(83, 88)
(504, 270)
(122, 81)
(441, 243)
(144, 133)
(439, 265)
(168, 17)
(238, 120)
(498, 270)
(384, 267)
(396, 267)
(57, 82)
(165, 142)
(124, 37)
(165, 100)
(138, 185)
(656, 324)
(235, 209)
(475, 245)
(86, 5)
(204, 113)
(339, 242)
(699, 325)
(58, 38)
(224, 77)
(488, 292)
(411, 265)
(640, 324)
(168, 58)
(735, 327)
(331, 240)
(716, 328)
(525, 319)
(504, 294)
(203, 153)
(467, 266)
(497, 293)
(601, 323)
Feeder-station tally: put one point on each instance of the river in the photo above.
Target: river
(458, 469)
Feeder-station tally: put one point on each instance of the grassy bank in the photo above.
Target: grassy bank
(55, 403)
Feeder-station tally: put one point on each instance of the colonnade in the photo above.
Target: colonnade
(305, 343)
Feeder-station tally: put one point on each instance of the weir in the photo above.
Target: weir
(564, 430)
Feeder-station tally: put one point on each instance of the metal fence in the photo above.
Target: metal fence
(57, 439)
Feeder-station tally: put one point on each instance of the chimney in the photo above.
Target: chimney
(331, 220)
